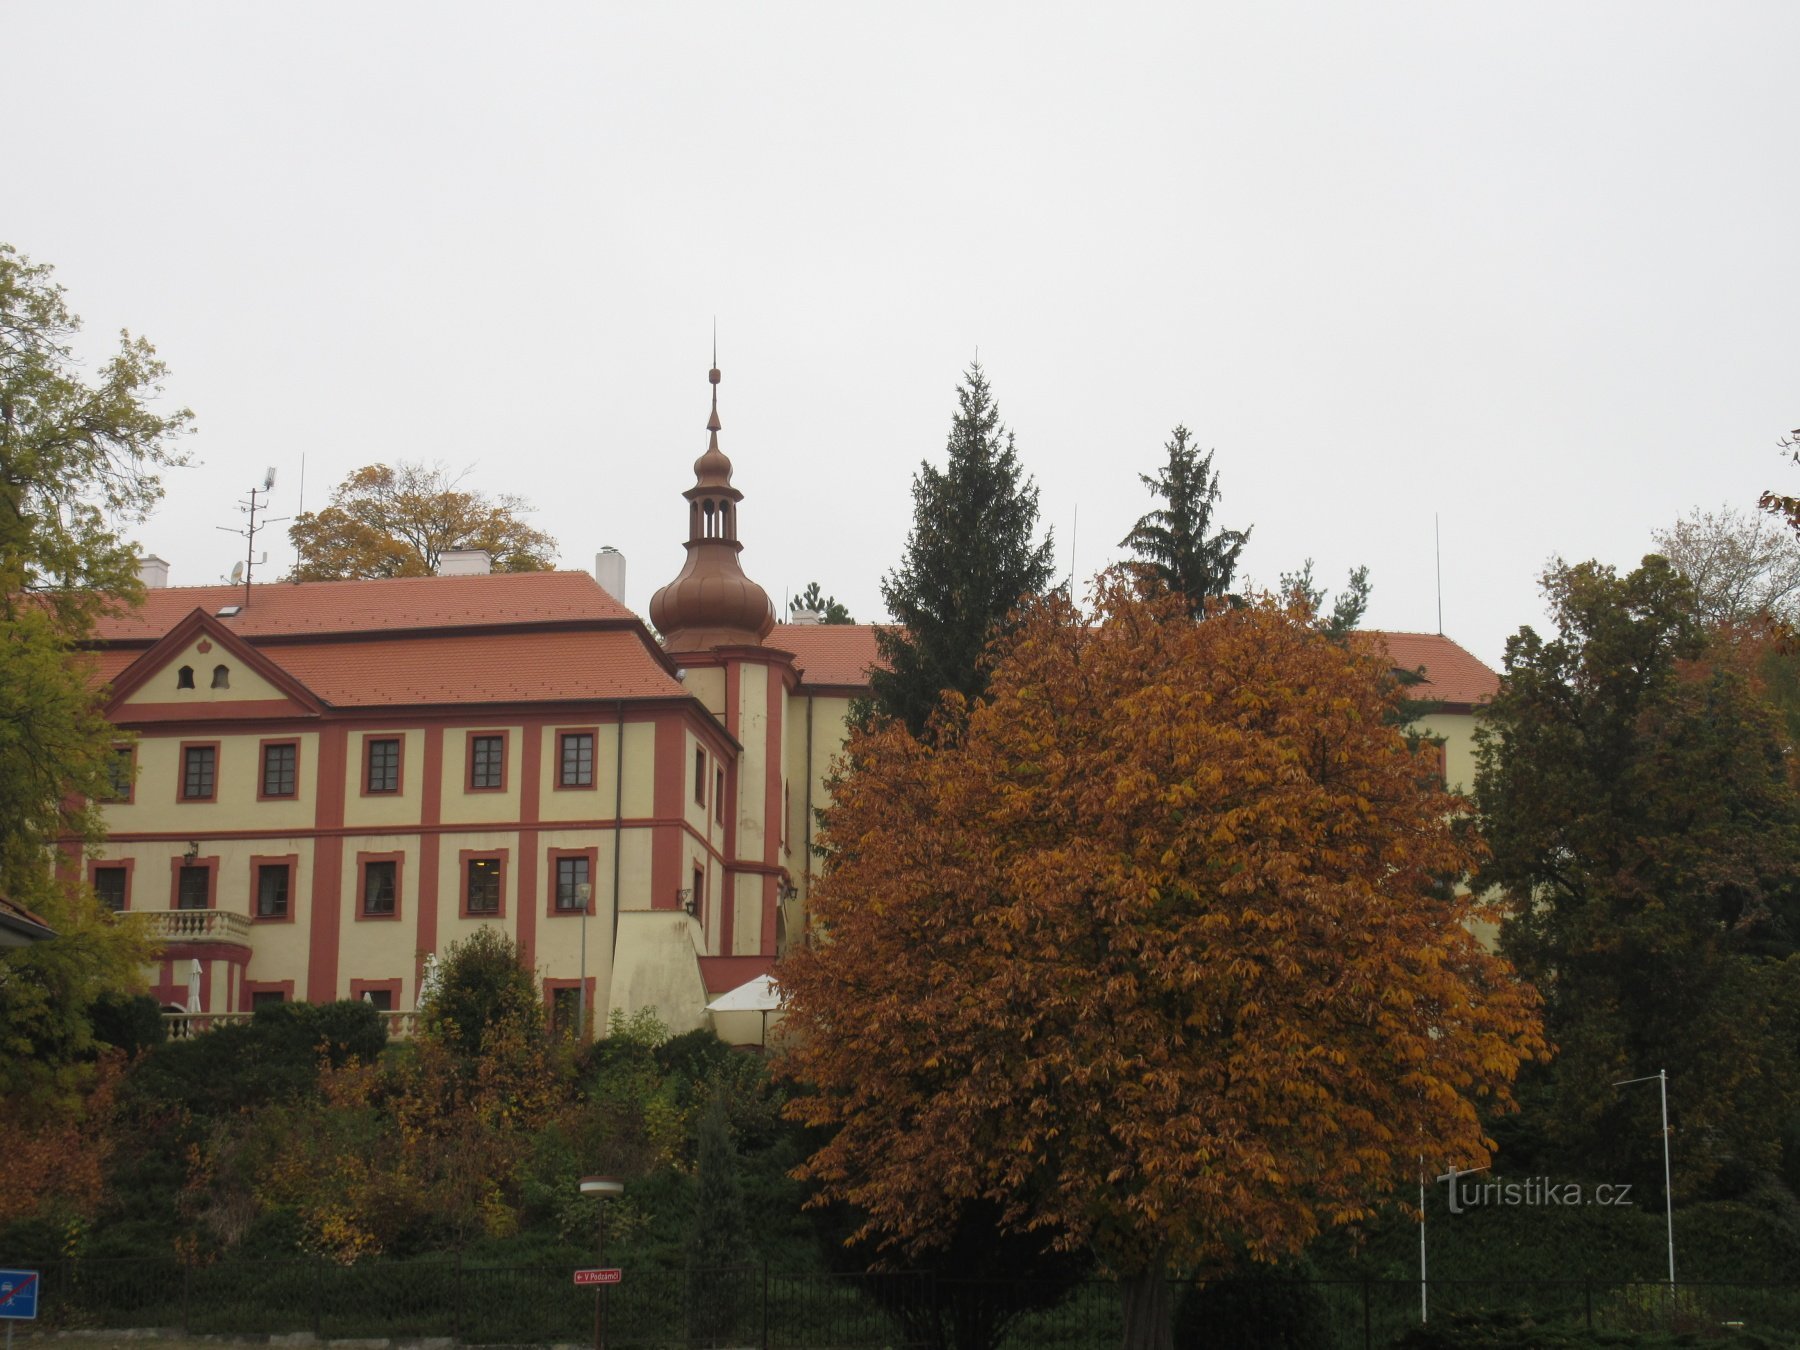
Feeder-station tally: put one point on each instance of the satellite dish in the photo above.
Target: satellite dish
(269, 479)
(237, 573)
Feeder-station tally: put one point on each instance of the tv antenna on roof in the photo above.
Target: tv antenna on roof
(256, 501)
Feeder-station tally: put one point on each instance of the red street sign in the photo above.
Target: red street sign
(605, 1275)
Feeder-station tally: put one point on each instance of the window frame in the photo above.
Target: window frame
(370, 740)
(700, 776)
(505, 739)
(464, 858)
(124, 865)
(181, 766)
(719, 792)
(389, 987)
(363, 862)
(553, 987)
(129, 750)
(262, 769)
(697, 896)
(249, 989)
(593, 783)
(258, 861)
(208, 865)
(554, 857)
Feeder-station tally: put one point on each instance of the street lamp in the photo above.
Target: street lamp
(1661, 1079)
(583, 893)
(603, 1189)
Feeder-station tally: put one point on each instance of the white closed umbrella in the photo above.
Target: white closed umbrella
(195, 975)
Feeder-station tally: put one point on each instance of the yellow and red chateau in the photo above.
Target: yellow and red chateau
(330, 781)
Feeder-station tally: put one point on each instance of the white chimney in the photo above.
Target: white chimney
(805, 616)
(464, 562)
(153, 572)
(609, 571)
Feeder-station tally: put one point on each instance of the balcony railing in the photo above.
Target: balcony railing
(198, 925)
(183, 1026)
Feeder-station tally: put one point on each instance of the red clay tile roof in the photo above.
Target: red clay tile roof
(1452, 675)
(496, 668)
(828, 653)
(286, 609)
(842, 654)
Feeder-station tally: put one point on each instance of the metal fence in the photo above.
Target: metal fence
(748, 1306)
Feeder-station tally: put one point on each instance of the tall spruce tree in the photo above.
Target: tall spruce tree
(1174, 551)
(969, 561)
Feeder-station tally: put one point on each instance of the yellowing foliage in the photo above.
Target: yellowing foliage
(1160, 952)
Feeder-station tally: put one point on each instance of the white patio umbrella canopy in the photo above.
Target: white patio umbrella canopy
(760, 995)
(194, 977)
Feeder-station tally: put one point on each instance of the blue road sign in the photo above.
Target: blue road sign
(18, 1294)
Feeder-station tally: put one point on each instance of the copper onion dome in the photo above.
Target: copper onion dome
(712, 603)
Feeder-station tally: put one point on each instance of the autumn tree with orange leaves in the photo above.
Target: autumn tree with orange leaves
(1157, 951)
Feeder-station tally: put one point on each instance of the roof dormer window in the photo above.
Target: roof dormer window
(221, 677)
(184, 678)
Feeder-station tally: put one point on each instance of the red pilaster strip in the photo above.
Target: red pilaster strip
(531, 788)
(431, 813)
(327, 867)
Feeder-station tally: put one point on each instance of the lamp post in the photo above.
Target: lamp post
(583, 894)
(1661, 1079)
(604, 1188)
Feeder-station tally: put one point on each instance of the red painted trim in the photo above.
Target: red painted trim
(463, 858)
(678, 821)
(128, 865)
(258, 861)
(431, 808)
(369, 740)
(556, 780)
(230, 952)
(505, 737)
(181, 755)
(249, 989)
(773, 799)
(210, 865)
(262, 769)
(669, 786)
(552, 856)
(360, 987)
(362, 865)
(158, 714)
(328, 866)
(531, 789)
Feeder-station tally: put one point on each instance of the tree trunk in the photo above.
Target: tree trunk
(1149, 1313)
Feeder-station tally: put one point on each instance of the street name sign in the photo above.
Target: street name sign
(603, 1275)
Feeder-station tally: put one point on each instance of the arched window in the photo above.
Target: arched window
(184, 678)
(711, 530)
(221, 677)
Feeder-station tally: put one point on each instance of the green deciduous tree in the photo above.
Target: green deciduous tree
(481, 985)
(813, 600)
(1158, 956)
(399, 521)
(970, 559)
(1643, 828)
(1172, 544)
(78, 461)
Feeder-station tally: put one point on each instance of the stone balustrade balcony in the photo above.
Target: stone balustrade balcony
(198, 925)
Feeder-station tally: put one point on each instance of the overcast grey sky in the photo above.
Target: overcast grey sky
(1531, 267)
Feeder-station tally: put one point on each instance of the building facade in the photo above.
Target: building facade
(328, 782)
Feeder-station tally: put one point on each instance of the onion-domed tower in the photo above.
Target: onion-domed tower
(712, 603)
